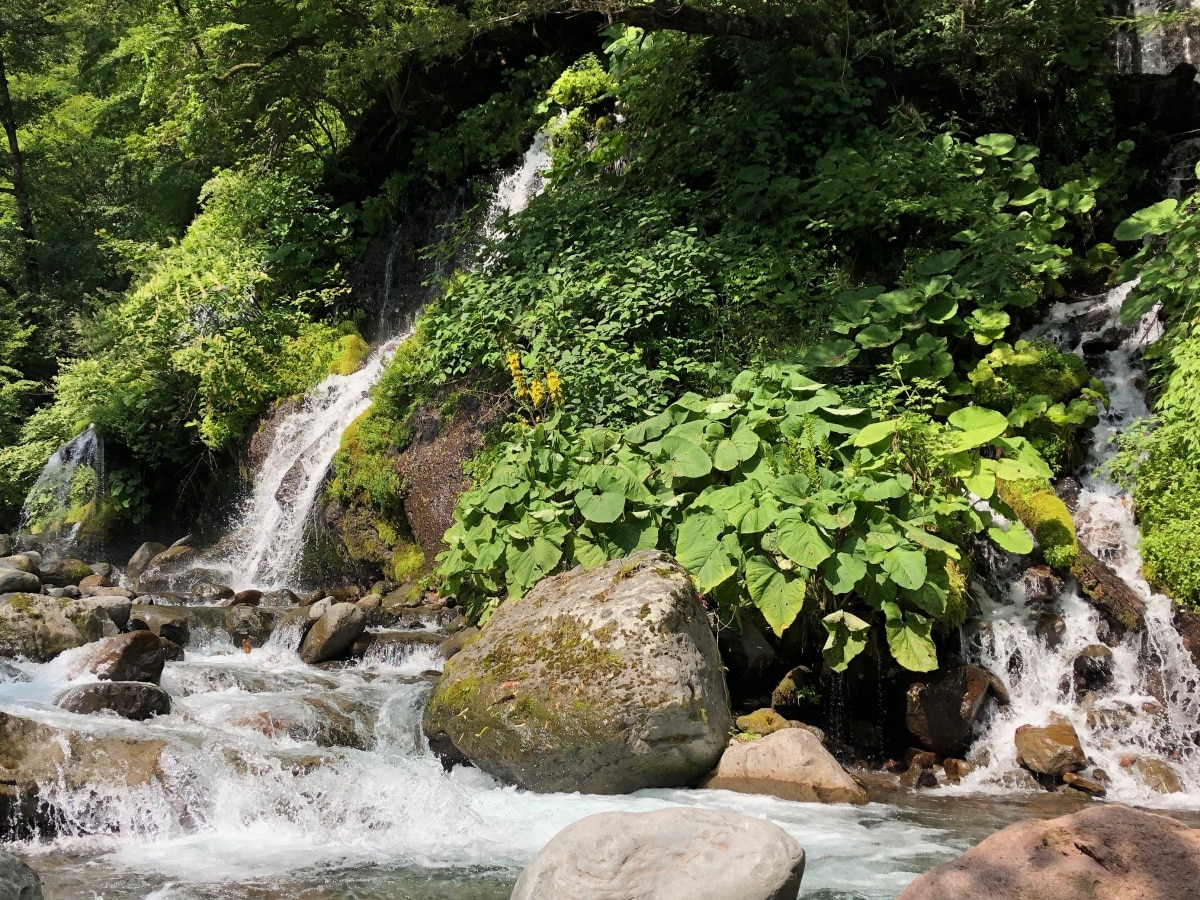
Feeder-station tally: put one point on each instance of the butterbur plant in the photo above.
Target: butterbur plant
(774, 495)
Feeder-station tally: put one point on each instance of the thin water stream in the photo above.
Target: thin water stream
(1148, 715)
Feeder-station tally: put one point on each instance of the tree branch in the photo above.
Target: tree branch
(274, 56)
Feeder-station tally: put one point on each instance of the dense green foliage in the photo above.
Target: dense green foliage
(1164, 456)
(765, 314)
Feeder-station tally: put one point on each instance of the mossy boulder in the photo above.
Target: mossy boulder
(36, 627)
(1044, 514)
(604, 681)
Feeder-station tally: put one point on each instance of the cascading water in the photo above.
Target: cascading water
(71, 478)
(1147, 717)
(1155, 49)
(266, 543)
(279, 779)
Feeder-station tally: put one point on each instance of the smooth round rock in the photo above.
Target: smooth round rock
(334, 633)
(683, 853)
(137, 656)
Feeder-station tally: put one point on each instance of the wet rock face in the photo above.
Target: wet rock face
(33, 755)
(941, 715)
(670, 854)
(1093, 668)
(1041, 584)
(1120, 605)
(790, 763)
(431, 466)
(17, 880)
(165, 621)
(137, 656)
(249, 624)
(1051, 750)
(605, 681)
(1105, 851)
(129, 699)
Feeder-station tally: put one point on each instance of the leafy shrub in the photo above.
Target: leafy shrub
(773, 495)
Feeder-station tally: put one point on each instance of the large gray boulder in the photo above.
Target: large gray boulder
(604, 681)
(34, 626)
(129, 699)
(15, 581)
(333, 633)
(1104, 851)
(670, 854)
(17, 880)
(790, 763)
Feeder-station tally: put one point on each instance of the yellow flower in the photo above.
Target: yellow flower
(536, 392)
(554, 386)
(514, 364)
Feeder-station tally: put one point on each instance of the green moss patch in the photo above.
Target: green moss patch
(1044, 514)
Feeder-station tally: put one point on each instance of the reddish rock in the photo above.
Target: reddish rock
(1105, 851)
(1050, 750)
(942, 714)
(137, 656)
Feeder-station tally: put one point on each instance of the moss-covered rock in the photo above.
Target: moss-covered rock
(605, 682)
(36, 627)
(1044, 514)
(1054, 388)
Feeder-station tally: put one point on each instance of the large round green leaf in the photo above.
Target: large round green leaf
(600, 506)
(779, 596)
(683, 458)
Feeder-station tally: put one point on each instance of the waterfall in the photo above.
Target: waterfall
(266, 540)
(1157, 49)
(1148, 715)
(71, 480)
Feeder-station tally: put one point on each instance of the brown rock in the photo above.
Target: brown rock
(1087, 785)
(119, 592)
(458, 640)
(790, 764)
(1156, 775)
(1187, 623)
(1050, 750)
(93, 581)
(942, 714)
(137, 656)
(1105, 851)
(244, 598)
(957, 769)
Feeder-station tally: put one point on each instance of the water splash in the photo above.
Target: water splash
(1149, 711)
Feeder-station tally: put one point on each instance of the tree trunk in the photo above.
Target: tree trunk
(8, 119)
